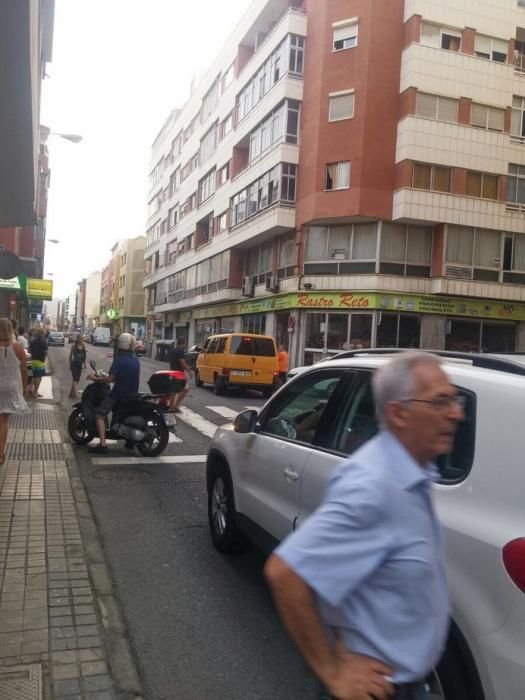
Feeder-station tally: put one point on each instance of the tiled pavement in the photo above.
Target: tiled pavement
(51, 592)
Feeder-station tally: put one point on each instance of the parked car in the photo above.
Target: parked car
(56, 338)
(140, 348)
(266, 473)
(192, 355)
(241, 360)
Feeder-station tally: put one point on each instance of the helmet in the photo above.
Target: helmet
(125, 341)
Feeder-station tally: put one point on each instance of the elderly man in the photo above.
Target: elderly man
(361, 585)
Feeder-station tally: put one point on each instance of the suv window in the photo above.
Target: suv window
(357, 424)
(212, 344)
(296, 414)
(221, 345)
(245, 345)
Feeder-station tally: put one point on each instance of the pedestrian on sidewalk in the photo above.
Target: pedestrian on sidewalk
(77, 362)
(282, 356)
(361, 585)
(38, 352)
(22, 338)
(13, 380)
(178, 363)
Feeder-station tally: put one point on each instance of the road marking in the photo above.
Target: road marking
(172, 459)
(253, 408)
(223, 411)
(195, 420)
(174, 439)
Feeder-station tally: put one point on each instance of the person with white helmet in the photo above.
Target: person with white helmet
(124, 374)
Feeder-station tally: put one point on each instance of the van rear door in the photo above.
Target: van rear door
(253, 360)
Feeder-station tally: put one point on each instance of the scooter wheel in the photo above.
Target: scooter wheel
(76, 426)
(157, 437)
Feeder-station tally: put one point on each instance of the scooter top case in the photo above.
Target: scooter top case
(167, 382)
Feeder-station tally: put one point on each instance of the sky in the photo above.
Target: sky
(119, 67)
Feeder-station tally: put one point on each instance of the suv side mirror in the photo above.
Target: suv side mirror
(245, 422)
(93, 364)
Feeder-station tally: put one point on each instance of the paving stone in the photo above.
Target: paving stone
(64, 671)
(62, 621)
(86, 619)
(85, 642)
(103, 695)
(87, 630)
(95, 654)
(66, 687)
(96, 683)
(93, 668)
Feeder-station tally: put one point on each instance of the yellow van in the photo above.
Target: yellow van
(238, 360)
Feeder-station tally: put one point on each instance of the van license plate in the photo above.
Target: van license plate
(240, 372)
(170, 419)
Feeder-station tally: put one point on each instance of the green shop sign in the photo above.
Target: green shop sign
(112, 314)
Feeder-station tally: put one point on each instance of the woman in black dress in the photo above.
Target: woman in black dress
(77, 361)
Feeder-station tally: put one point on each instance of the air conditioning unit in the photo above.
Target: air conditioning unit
(272, 284)
(247, 287)
(459, 272)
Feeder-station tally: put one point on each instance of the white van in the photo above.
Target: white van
(101, 336)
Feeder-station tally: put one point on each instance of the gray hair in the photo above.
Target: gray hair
(395, 380)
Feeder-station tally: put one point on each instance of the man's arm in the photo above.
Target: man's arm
(185, 366)
(21, 355)
(348, 676)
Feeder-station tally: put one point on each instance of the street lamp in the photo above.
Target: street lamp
(45, 131)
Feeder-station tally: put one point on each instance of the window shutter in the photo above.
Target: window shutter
(448, 110)
(500, 46)
(430, 35)
(341, 107)
(474, 184)
(345, 32)
(482, 44)
(426, 105)
(496, 119)
(478, 116)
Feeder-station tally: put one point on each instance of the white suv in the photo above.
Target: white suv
(266, 473)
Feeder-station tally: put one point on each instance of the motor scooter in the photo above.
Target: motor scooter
(142, 421)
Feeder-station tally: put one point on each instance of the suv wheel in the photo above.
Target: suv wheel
(221, 512)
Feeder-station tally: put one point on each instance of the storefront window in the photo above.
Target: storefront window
(205, 328)
(398, 331)
(254, 323)
(464, 336)
(360, 331)
(337, 331)
(315, 331)
(498, 337)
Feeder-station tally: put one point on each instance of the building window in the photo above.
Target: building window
(287, 256)
(473, 247)
(482, 185)
(443, 109)
(222, 222)
(281, 124)
(337, 176)
(296, 63)
(405, 250)
(226, 126)
(223, 174)
(516, 184)
(208, 145)
(207, 186)
(490, 48)
(431, 177)
(398, 330)
(228, 77)
(341, 105)
(485, 117)
(440, 38)
(254, 323)
(345, 35)
(275, 185)
(517, 123)
(356, 242)
(210, 100)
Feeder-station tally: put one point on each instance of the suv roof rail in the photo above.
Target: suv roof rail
(477, 359)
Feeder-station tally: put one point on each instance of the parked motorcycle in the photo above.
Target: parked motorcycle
(143, 420)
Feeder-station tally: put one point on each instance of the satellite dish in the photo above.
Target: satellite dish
(10, 265)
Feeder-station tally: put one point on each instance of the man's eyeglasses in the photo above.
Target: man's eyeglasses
(441, 403)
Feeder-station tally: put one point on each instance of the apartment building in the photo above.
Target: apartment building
(122, 296)
(348, 174)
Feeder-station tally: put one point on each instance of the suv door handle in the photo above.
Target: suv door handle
(291, 474)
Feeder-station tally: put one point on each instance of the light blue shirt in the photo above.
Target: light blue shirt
(372, 552)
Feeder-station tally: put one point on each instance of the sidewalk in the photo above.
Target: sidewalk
(61, 635)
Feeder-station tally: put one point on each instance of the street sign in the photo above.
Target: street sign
(39, 289)
(112, 314)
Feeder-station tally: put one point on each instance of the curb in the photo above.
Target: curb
(121, 661)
